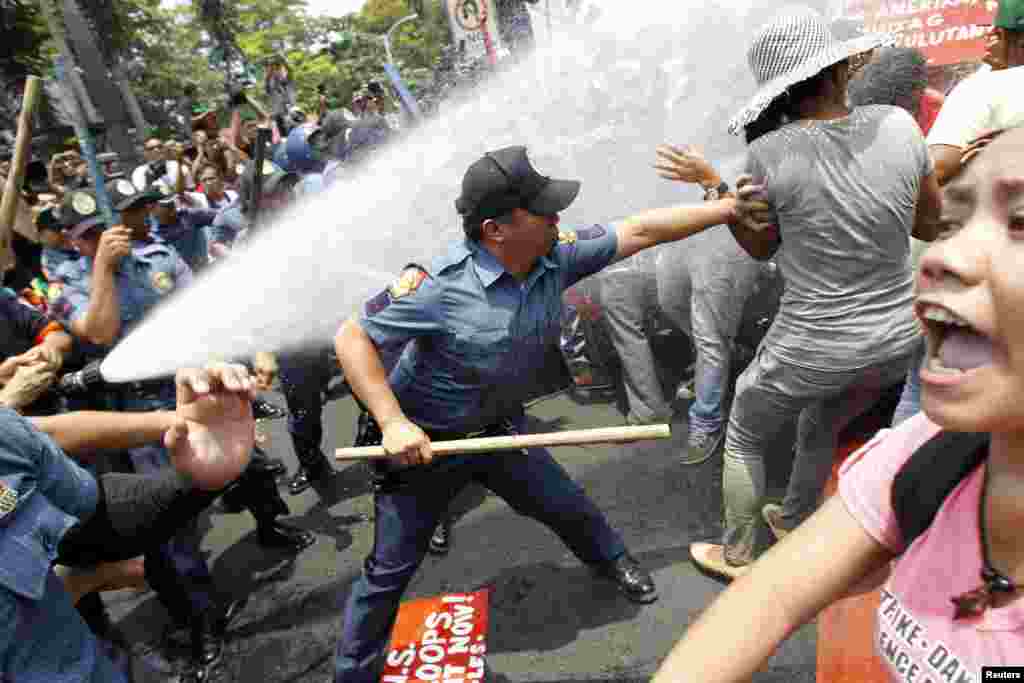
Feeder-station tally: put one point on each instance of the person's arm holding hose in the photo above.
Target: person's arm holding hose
(210, 438)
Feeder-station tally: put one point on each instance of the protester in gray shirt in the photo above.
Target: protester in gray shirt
(848, 189)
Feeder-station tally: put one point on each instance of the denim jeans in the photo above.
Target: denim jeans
(703, 284)
(408, 507)
(769, 395)
(628, 291)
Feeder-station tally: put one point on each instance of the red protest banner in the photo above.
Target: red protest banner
(946, 31)
(441, 640)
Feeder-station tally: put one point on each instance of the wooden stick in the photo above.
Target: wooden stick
(16, 176)
(575, 437)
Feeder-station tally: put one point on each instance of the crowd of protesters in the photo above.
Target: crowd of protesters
(854, 165)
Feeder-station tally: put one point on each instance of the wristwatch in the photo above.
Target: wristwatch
(713, 193)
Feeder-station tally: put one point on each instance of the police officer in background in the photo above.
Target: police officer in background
(304, 374)
(125, 273)
(478, 328)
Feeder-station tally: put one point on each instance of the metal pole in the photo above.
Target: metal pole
(86, 144)
(387, 36)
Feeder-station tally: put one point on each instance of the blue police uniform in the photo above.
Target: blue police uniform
(177, 571)
(57, 262)
(43, 493)
(305, 377)
(228, 225)
(473, 341)
(188, 235)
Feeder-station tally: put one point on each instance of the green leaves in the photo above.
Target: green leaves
(185, 43)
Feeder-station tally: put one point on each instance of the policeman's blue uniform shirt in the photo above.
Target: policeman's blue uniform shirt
(188, 235)
(151, 272)
(474, 337)
(55, 263)
(228, 225)
(43, 493)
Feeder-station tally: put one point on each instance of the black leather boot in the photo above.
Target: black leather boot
(634, 581)
(261, 460)
(280, 536)
(441, 541)
(311, 470)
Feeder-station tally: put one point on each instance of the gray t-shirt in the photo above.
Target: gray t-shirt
(845, 192)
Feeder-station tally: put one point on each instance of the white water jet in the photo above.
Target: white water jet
(592, 105)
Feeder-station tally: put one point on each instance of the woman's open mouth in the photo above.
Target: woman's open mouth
(955, 347)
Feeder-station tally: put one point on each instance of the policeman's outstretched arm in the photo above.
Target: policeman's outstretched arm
(670, 224)
(368, 379)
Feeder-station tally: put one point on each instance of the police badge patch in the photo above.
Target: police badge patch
(83, 204)
(407, 283)
(8, 500)
(162, 282)
(591, 233)
(125, 187)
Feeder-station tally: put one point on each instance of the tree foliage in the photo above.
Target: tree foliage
(162, 48)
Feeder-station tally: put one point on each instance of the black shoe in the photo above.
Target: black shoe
(265, 410)
(233, 499)
(282, 537)
(306, 475)
(194, 672)
(227, 614)
(634, 581)
(441, 541)
(260, 460)
(207, 642)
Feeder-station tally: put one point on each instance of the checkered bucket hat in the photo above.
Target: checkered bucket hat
(793, 47)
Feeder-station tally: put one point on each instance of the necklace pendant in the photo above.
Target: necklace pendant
(973, 603)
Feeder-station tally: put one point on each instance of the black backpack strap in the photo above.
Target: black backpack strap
(930, 475)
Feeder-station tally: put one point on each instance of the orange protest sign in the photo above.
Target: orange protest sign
(945, 31)
(440, 640)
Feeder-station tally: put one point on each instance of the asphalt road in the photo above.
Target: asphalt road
(550, 620)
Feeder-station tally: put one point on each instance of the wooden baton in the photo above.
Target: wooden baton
(575, 437)
(22, 152)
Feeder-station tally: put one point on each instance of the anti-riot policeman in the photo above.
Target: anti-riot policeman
(477, 327)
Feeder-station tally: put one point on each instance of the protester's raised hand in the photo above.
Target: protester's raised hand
(752, 208)
(212, 438)
(686, 165)
(405, 442)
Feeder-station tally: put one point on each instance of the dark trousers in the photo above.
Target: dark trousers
(408, 505)
(177, 570)
(304, 379)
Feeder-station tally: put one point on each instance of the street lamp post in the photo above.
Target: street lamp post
(392, 71)
(387, 36)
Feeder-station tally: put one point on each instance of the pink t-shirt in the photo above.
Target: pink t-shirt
(915, 634)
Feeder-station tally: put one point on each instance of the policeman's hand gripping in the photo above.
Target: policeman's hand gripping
(752, 208)
(405, 442)
(115, 244)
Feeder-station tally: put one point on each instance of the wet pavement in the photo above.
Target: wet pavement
(550, 620)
